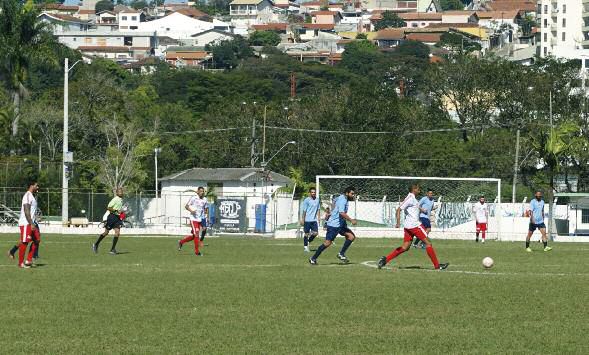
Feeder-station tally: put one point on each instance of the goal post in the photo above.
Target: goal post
(377, 198)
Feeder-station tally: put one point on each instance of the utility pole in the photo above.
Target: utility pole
(253, 157)
(515, 165)
(64, 172)
(264, 135)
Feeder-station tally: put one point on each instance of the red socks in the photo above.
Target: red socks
(22, 249)
(432, 255)
(483, 234)
(394, 254)
(187, 239)
(196, 245)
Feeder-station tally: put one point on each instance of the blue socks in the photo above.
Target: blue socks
(347, 244)
(320, 250)
(312, 237)
(306, 240)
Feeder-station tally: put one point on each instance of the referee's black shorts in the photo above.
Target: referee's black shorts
(113, 221)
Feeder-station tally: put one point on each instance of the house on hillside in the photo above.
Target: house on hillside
(177, 26)
(390, 37)
(460, 17)
(326, 17)
(130, 19)
(211, 36)
(182, 57)
(421, 19)
(61, 23)
(245, 13)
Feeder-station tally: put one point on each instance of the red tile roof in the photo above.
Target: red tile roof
(86, 12)
(191, 12)
(424, 37)
(390, 34)
(414, 16)
(498, 15)
(315, 13)
(271, 27)
(318, 26)
(59, 7)
(506, 5)
(66, 18)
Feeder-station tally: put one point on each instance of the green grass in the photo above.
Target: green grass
(261, 296)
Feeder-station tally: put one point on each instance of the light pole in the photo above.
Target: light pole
(67, 155)
(265, 163)
(156, 151)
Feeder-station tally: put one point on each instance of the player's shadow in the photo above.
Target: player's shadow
(341, 264)
(40, 265)
(123, 252)
(412, 267)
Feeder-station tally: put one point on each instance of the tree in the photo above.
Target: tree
(264, 38)
(229, 53)
(413, 48)
(23, 39)
(458, 43)
(361, 56)
(139, 4)
(389, 19)
(451, 5)
(361, 36)
(104, 5)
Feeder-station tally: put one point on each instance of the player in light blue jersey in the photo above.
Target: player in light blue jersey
(537, 221)
(426, 206)
(309, 217)
(337, 225)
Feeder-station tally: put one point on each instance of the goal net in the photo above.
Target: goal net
(379, 196)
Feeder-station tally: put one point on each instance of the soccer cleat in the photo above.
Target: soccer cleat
(477, 240)
(343, 258)
(547, 249)
(382, 262)
(113, 252)
(198, 254)
(179, 245)
(95, 248)
(312, 261)
(25, 266)
(483, 241)
(307, 249)
(529, 250)
(28, 264)
(443, 266)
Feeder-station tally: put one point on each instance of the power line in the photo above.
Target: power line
(212, 130)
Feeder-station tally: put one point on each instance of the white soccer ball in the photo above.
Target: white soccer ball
(488, 262)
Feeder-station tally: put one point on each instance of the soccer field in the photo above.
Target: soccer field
(261, 296)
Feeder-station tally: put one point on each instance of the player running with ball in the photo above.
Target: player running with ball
(199, 213)
(412, 228)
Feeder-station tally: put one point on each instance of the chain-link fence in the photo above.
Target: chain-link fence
(246, 212)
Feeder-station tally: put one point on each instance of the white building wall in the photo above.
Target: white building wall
(176, 26)
(558, 18)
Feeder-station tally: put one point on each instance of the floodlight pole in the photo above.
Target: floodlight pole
(66, 156)
(156, 151)
(515, 165)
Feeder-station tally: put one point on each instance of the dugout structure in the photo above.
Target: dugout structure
(379, 196)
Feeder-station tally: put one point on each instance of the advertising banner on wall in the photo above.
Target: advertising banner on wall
(231, 215)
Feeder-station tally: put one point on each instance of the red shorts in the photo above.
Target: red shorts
(481, 227)
(26, 235)
(418, 232)
(195, 227)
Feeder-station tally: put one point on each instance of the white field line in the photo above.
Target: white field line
(372, 264)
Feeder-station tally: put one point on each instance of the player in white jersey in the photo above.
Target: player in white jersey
(481, 215)
(28, 226)
(412, 228)
(199, 213)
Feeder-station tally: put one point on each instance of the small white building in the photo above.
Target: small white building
(235, 192)
(130, 19)
(176, 25)
(246, 13)
(210, 37)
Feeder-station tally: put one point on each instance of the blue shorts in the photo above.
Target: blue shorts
(310, 227)
(332, 232)
(538, 226)
(425, 222)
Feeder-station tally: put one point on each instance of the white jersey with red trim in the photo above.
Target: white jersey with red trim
(27, 199)
(411, 208)
(198, 206)
(481, 211)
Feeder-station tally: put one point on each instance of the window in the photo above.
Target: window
(545, 37)
(546, 9)
(545, 51)
(564, 22)
(414, 24)
(128, 41)
(133, 18)
(564, 36)
(545, 23)
(564, 8)
(584, 216)
(124, 18)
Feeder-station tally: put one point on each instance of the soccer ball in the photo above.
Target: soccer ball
(488, 263)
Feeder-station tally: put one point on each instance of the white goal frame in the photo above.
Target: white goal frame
(498, 212)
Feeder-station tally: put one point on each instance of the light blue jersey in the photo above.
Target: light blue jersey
(341, 205)
(426, 204)
(310, 208)
(537, 209)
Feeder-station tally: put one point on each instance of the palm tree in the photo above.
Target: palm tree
(24, 39)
